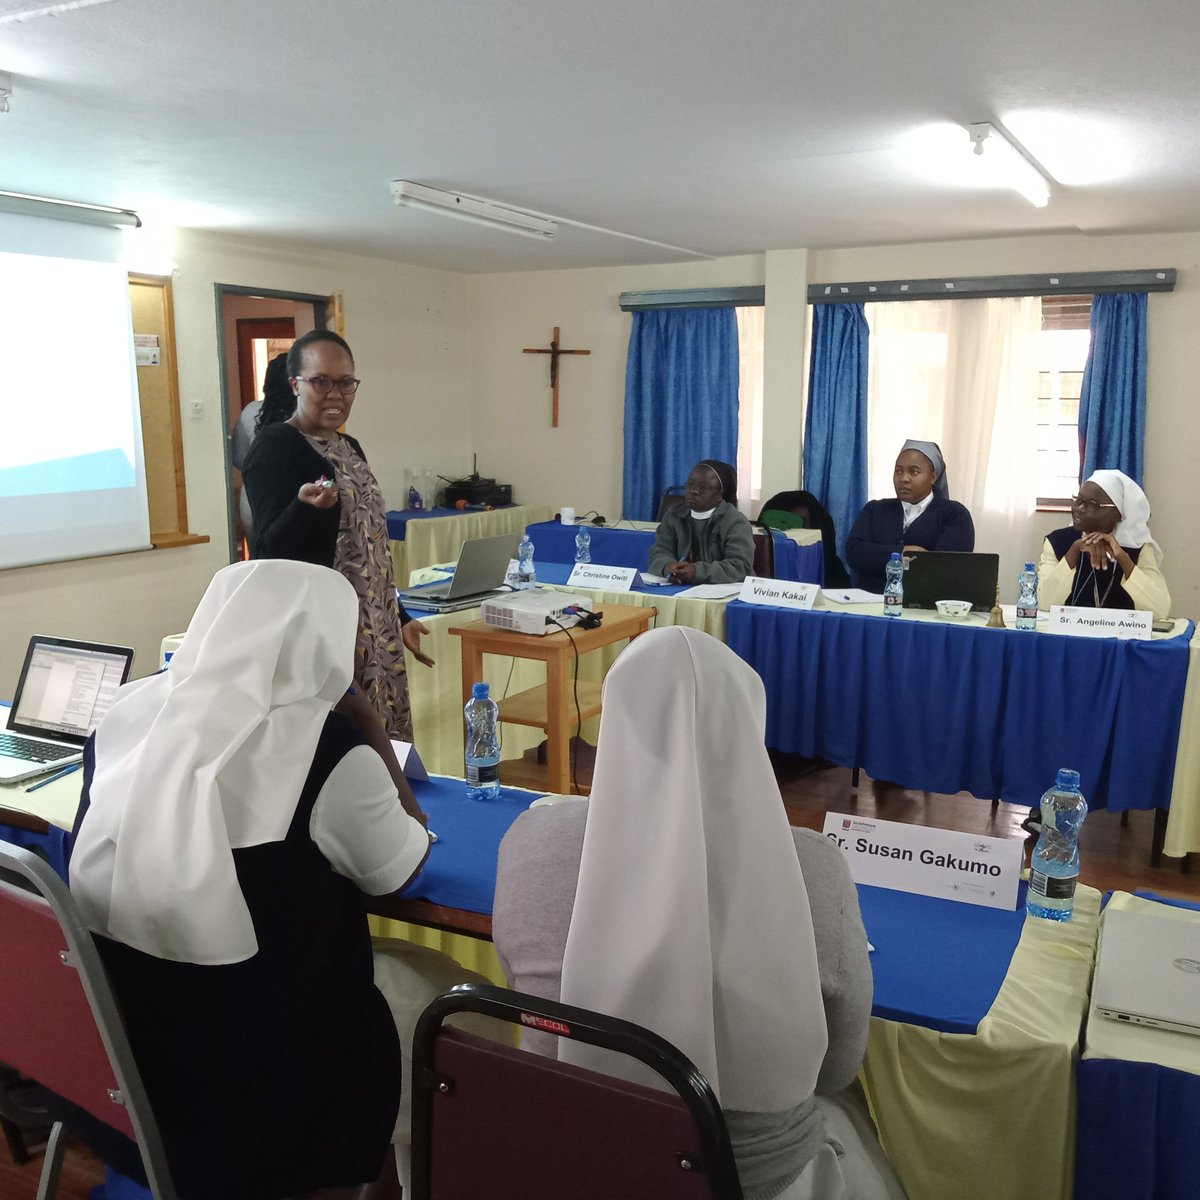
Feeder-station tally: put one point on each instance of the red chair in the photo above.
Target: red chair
(490, 1120)
(59, 1022)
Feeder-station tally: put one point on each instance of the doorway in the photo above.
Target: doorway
(254, 325)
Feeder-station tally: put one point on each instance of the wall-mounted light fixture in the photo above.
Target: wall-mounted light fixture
(1011, 164)
(67, 210)
(471, 208)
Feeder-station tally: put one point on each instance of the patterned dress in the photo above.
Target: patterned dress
(364, 557)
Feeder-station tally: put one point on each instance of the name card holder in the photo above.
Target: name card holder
(780, 593)
(943, 863)
(609, 579)
(1124, 623)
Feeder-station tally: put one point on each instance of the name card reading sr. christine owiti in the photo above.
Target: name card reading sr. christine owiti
(781, 593)
(609, 579)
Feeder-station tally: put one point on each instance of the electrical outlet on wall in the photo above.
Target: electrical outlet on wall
(196, 409)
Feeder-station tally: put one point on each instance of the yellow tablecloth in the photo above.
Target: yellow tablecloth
(429, 540)
(991, 1116)
(1183, 820)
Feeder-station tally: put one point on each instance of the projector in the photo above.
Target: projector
(533, 611)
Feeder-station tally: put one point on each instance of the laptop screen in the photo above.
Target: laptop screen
(66, 687)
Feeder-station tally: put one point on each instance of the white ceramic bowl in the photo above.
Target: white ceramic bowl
(954, 608)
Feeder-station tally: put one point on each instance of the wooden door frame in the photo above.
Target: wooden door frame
(249, 330)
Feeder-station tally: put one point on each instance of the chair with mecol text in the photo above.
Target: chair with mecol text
(60, 1026)
(492, 1120)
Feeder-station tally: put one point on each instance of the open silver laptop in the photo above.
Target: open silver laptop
(64, 689)
(1148, 971)
(482, 566)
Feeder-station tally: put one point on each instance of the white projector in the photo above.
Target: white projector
(533, 611)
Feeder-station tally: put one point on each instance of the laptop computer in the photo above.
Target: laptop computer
(482, 567)
(945, 575)
(64, 689)
(1148, 971)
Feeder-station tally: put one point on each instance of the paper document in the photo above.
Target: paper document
(852, 596)
(651, 580)
(409, 760)
(710, 591)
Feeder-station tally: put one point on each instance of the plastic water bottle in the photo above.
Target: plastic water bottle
(1054, 867)
(415, 503)
(1027, 599)
(483, 745)
(526, 574)
(583, 545)
(893, 589)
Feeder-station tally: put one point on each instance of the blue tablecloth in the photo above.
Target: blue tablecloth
(949, 707)
(936, 963)
(616, 547)
(398, 519)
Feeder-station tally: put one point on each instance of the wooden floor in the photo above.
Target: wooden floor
(1114, 857)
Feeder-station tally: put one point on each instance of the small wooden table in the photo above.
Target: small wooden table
(549, 705)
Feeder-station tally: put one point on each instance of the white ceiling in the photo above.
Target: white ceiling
(719, 128)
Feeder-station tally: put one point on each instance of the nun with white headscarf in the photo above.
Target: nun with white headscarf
(677, 897)
(230, 824)
(1106, 557)
(921, 517)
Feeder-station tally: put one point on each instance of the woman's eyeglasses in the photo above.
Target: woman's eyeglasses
(1088, 506)
(323, 385)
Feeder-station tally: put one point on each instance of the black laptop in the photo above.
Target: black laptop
(943, 575)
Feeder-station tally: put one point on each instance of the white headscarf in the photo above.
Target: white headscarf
(691, 915)
(1132, 530)
(211, 756)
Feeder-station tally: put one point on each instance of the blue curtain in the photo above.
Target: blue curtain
(835, 427)
(1112, 403)
(681, 400)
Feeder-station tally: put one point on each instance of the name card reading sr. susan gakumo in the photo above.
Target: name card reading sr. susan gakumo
(781, 593)
(1101, 622)
(609, 579)
(943, 863)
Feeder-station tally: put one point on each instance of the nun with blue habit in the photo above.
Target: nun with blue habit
(922, 517)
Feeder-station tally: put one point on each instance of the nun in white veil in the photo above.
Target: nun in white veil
(690, 914)
(1106, 557)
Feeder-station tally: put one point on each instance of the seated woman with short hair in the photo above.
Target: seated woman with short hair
(677, 897)
(1106, 557)
(709, 540)
(922, 517)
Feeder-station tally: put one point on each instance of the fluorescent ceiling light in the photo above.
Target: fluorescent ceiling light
(471, 208)
(66, 210)
(1013, 168)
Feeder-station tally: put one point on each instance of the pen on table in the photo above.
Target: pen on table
(41, 783)
(433, 837)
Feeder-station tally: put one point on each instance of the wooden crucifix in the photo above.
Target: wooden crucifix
(554, 351)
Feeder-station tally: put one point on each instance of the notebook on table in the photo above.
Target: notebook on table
(1148, 971)
(64, 689)
(480, 572)
(944, 575)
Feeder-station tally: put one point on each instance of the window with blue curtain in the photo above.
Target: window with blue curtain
(1112, 401)
(835, 426)
(681, 400)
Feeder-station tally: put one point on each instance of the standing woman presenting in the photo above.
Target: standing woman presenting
(922, 517)
(315, 499)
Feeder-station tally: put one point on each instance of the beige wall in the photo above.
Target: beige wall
(409, 332)
(579, 463)
(440, 356)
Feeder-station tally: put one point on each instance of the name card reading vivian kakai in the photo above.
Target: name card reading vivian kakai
(1127, 623)
(610, 579)
(943, 863)
(778, 592)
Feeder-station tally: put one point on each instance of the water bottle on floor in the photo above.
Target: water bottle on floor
(483, 745)
(1027, 598)
(583, 545)
(526, 574)
(893, 589)
(1054, 867)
